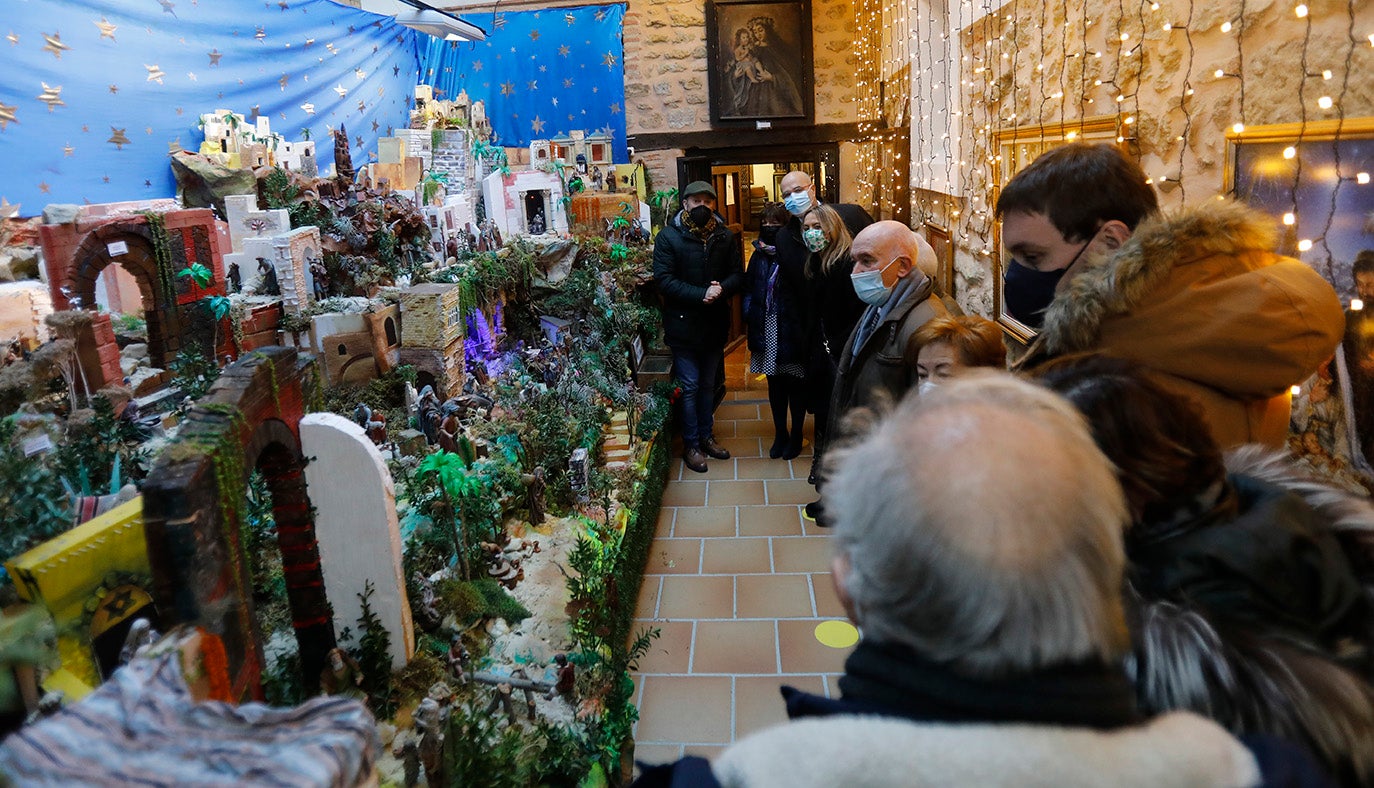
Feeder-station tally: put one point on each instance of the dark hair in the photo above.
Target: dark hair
(1080, 187)
(1364, 263)
(774, 212)
(1159, 441)
(976, 340)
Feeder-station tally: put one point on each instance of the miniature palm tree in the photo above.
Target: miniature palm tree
(218, 306)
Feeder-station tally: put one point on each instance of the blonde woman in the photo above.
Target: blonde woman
(833, 310)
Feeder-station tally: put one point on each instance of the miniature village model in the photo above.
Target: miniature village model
(370, 445)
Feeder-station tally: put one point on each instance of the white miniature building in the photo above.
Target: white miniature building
(450, 220)
(525, 203)
(594, 150)
(292, 155)
(234, 142)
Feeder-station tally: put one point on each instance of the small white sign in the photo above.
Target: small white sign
(117, 248)
(763, 124)
(37, 445)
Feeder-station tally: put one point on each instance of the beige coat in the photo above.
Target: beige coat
(1199, 298)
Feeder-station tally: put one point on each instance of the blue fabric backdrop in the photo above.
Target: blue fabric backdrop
(541, 73)
(93, 93)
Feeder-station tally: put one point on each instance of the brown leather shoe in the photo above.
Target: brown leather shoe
(715, 449)
(694, 459)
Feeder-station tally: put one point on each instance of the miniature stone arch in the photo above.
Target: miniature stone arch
(192, 501)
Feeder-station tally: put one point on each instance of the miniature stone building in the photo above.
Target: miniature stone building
(525, 203)
(432, 336)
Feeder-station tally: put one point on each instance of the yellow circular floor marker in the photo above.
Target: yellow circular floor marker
(837, 634)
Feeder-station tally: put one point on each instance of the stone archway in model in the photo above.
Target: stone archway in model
(93, 257)
(249, 419)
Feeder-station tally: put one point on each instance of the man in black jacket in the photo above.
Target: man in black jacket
(698, 266)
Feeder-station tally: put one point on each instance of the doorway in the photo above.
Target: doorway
(746, 178)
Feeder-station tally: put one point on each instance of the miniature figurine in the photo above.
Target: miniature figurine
(534, 495)
(319, 279)
(519, 673)
(429, 719)
(141, 636)
(567, 680)
(235, 278)
(342, 676)
(426, 613)
(407, 750)
(269, 284)
(457, 658)
(362, 414)
(501, 697)
(428, 407)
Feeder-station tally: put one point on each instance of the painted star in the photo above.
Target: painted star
(215, 55)
(8, 210)
(600, 15)
(13, 39)
(395, 71)
(358, 141)
(7, 115)
(155, 73)
(85, 129)
(282, 5)
(537, 125)
(341, 90)
(147, 184)
(107, 30)
(534, 35)
(167, 6)
(54, 45)
(609, 59)
(567, 83)
(191, 75)
(52, 96)
(118, 137)
(308, 108)
(563, 51)
(375, 126)
(362, 106)
(332, 50)
(570, 19)
(180, 112)
(532, 85)
(44, 187)
(105, 179)
(360, 74)
(284, 79)
(543, 69)
(261, 33)
(114, 90)
(615, 108)
(148, 131)
(68, 150)
(555, 102)
(476, 66)
(507, 89)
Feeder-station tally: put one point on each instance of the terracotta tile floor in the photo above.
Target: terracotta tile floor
(737, 581)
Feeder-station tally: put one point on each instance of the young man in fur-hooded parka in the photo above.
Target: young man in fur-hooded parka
(1199, 296)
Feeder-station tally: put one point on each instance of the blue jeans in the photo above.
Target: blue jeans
(696, 372)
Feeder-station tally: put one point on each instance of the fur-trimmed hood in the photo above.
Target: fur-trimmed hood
(1200, 295)
(1175, 750)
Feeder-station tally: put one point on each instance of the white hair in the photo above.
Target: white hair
(982, 527)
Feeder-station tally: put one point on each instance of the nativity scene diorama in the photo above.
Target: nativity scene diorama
(371, 444)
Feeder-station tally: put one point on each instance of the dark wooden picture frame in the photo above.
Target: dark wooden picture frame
(759, 62)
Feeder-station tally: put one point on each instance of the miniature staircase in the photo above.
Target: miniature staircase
(616, 446)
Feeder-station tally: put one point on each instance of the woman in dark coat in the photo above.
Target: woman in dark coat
(832, 311)
(777, 340)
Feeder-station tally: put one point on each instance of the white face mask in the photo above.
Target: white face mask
(926, 387)
(797, 203)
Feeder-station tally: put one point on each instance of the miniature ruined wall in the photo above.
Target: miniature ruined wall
(250, 418)
(23, 305)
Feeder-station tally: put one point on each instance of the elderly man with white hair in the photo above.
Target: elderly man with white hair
(894, 273)
(978, 534)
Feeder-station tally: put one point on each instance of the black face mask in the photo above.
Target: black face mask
(1027, 293)
(769, 234)
(700, 215)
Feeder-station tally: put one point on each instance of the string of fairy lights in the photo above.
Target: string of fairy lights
(980, 70)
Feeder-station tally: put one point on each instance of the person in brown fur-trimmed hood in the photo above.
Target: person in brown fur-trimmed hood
(1198, 296)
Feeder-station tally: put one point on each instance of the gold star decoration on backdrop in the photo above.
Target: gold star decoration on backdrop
(534, 35)
(532, 85)
(563, 51)
(13, 39)
(54, 45)
(537, 125)
(107, 30)
(601, 15)
(555, 101)
(609, 59)
(155, 73)
(215, 55)
(191, 75)
(261, 33)
(44, 187)
(341, 90)
(167, 6)
(375, 126)
(52, 96)
(476, 66)
(507, 89)
(114, 90)
(567, 83)
(332, 50)
(180, 112)
(570, 19)
(284, 79)
(615, 108)
(148, 131)
(105, 179)
(118, 137)
(7, 115)
(360, 74)
(68, 150)
(308, 108)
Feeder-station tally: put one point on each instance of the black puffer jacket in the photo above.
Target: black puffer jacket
(684, 266)
(763, 267)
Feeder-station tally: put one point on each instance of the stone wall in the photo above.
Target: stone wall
(666, 80)
(1180, 136)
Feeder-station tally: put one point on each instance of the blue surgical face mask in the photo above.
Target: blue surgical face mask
(797, 203)
(869, 286)
(814, 237)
